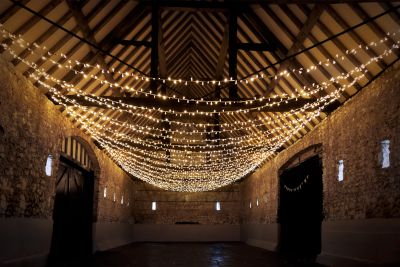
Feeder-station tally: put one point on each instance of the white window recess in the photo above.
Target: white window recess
(49, 165)
(385, 154)
(341, 170)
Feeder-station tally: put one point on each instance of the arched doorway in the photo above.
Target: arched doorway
(300, 211)
(73, 204)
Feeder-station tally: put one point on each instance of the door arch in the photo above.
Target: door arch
(74, 210)
(300, 210)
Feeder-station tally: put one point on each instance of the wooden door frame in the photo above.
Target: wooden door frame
(296, 160)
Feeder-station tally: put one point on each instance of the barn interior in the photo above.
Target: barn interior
(199, 133)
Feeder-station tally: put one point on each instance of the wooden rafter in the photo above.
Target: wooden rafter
(31, 21)
(252, 20)
(223, 52)
(161, 51)
(313, 18)
(305, 78)
(216, 6)
(233, 52)
(133, 42)
(255, 46)
(83, 24)
(44, 36)
(9, 12)
(106, 43)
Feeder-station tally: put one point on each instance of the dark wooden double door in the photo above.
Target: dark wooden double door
(300, 210)
(72, 214)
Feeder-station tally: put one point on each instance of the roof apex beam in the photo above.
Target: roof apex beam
(133, 42)
(256, 46)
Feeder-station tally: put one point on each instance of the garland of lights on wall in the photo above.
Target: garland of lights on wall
(297, 188)
(192, 160)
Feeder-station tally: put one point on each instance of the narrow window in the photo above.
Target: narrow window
(385, 154)
(114, 197)
(257, 202)
(153, 205)
(105, 192)
(122, 200)
(340, 170)
(217, 205)
(250, 205)
(49, 165)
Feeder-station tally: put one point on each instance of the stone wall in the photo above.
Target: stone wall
(353, 133)
(31, 129)
(180, 207)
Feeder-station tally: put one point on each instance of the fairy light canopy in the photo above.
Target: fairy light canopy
(195, 95)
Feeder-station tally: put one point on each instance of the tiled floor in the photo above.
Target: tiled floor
(187, 255)
(233, 254)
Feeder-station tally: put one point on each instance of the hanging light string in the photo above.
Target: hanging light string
(134, 128)
(372, 60)
(71, 65)
(175, 177)
(148, 130)
(135, 140)
(180, 182)
(131, 108)
(297, 188)
(111, 103)
(211, 165)
(352, 28)
(182, 132)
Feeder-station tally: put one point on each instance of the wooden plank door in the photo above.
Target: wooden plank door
(72, 214)
(300, 211)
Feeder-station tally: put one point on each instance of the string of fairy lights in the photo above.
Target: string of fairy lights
(72, 65)
(190, 155)
(298, 187)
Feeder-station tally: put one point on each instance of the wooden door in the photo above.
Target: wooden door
(72, 214)
(300, 210)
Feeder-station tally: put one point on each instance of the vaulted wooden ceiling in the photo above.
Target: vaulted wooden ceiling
(226, 51)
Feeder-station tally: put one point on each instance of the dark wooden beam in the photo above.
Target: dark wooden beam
(158, 62)
(353, 34)
(255, 46)
(121, 29)
(9, 12)
(162, 61)
(133, 42)
(216, 6)
(181, 106)
(313, 18)
(45, 35)
(154, 46)
(83, 24)
(191, 6)
(233, 94)
(223, 52)
(219, 70)
(31, 21)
